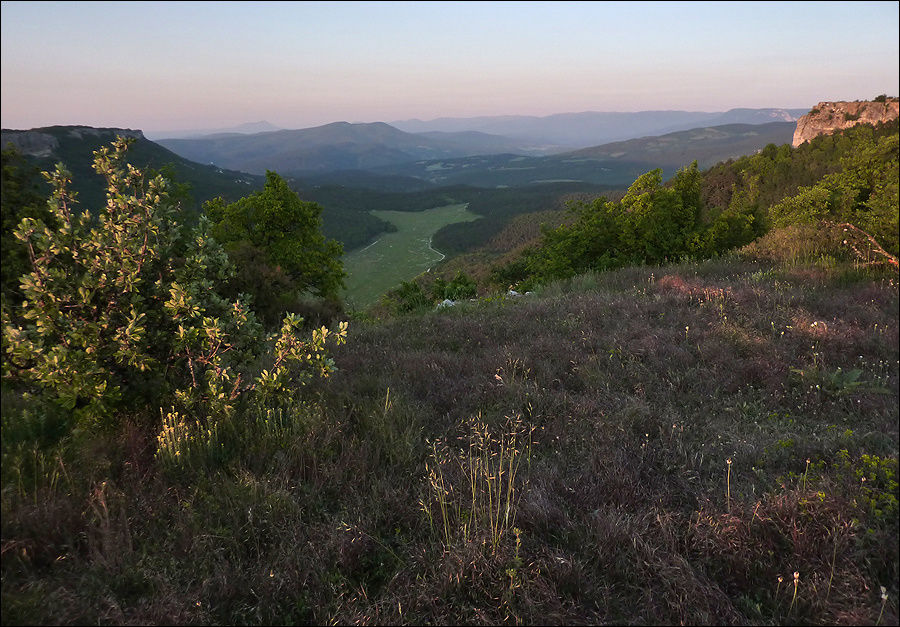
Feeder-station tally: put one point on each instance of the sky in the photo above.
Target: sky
(161, 66)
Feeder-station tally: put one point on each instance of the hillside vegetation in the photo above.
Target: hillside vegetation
(849, 179)
(643, 439)
(727, 424)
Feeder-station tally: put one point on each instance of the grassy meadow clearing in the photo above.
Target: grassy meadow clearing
(399, 256)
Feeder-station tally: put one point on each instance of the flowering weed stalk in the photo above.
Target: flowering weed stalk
(476, 487)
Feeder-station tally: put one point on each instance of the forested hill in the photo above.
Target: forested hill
(193, 183)
(74, 145)
(847, 180)
(592, 128)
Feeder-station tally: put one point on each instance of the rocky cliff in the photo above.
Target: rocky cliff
(827, 117)
(43, 142)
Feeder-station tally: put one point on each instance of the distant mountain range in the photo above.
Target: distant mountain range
(351, 168)
(336, 146)
(380, 147)
(242, 129)
(617, 163)
(591, 128)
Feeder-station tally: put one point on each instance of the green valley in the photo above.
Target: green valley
(398, 256)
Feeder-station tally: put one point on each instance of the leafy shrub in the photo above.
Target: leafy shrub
(408, 296)
(864, 193)
(460, 287)
(651, 224)
(122, 308)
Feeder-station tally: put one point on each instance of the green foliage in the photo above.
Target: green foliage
(778, 172)
(460, 287)
(287, 231)
(123, 308)
(864, 193)
(652, 223)
(20, 199)
(408, 296)
(418, 295)
(850, 177)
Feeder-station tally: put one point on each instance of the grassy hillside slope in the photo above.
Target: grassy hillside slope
(684, 440)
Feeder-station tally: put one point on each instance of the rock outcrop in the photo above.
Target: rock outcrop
(43, 142)
(827, 117)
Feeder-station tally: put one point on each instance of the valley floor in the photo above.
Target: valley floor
(399, 256)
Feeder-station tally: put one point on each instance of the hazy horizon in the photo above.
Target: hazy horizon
(175, 67)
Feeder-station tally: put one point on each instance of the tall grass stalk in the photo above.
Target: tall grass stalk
(805, 473)
(796, 584)
(488, 466)
(728, 486)
(884, 598)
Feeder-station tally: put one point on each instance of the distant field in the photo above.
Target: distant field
(399, 256)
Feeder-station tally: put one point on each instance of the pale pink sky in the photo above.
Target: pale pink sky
(172, 66)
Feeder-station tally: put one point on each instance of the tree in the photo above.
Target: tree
(286, 232)
(123, 308)
(20, 199)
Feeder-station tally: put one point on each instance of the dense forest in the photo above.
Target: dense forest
(692, 418)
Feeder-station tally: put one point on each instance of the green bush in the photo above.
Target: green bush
(461, 287)
(20, 199)
(408, 296)
(122, 308)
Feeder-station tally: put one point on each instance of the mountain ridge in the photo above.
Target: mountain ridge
(588, 128)
(334, 146)
(614, 163)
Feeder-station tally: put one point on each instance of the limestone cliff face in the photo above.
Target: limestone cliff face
(43, 142)
(827, 117)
